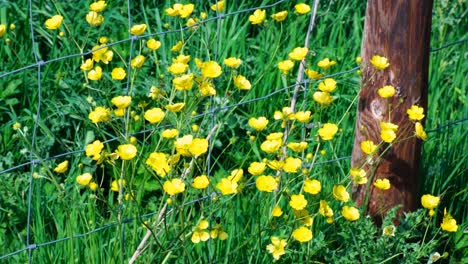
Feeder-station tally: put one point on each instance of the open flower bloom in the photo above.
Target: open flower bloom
(84, 179)
(94, 19)
(302, 116)
(126, 151)
(54, 22)
(257, 168)
(313, 75)
(138, 29)
(323, 98)
(276, 212)
(302, 234)
(387, 91)
(62, 167)
(415, 113)
(183, 82)
(388, 131)
(153, 44)
(340, 193)
(280, 16)
(380, 63)
(137, 62)
(154, 115)
(174, 186)
(368, 146)
(241, 82)
(227, 186)
(328, 131)
(276, 248)
(359, 175)
(118, 73)
(325, 210)
(201, 182)
(98, 6)
(257, 17)
(159, 163)
(219, 5)
(302, 8)
(298, 146)
(419, 131)
(312, 186)
(382, 184)
(96, 74)
(448, 224)
(200, 233)
(327, 85)
(94, 149)
(430, 202)
(210, 69)
(266, 183)
(298, 53)
(258, 123)
(326, 63)
(298, 201)
(285, 66)
(232, 62)
(121, 101)
(292, 165)
(350, 213)
(99, 114)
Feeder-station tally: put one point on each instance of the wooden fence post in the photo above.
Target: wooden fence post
(400, 31)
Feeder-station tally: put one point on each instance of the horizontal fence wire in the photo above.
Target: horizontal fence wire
(39, 64)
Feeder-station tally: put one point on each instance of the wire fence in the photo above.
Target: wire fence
(212, 111)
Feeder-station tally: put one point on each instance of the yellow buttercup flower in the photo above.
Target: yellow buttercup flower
(102, 53)
(159, 163)
(350, 213)
(175, 10)
(340, 193)
(430, 202)
(257, 17)
(388, 131)
(62, 167)
(302, 8)
(382, 184)
(326, 63)
(207, 88)
(380, 63)
(328, 131)
(198, 147)
(138, 61)
(325, 210)
(368, 147)
(96, 74)
(54, 22)
(177, 107)
(419, 131)
(178, 46)
(258, 124)
(94, 19)
(169, 133)
(276, 212)
(183, 82)
(388, 125)
(93, 186)
(87, 65)
(302, 234)
(94, 149)
(236, 175)
(292, 165)
(327, 85)
(358, 60)
(448, 224)
(103, 40)
(280, 16)
(298, 53)
(118, 74)
(275, 164)
(276, 248)
(312, 186)
(387, 91)
(84, 179)
(122, 102)
(298, 146)
(178, 68)
(298, 201)
(154, 115)
(359, 175)
(313, 75)
(181, 58)
(232, 62)
(323, 98)
(186, 10)
(153, 44)
(270, 146)
(257, 168)
(211, 69)
(98, 6)
(126, 151)
(285, 66)
(302, 116)
(241, 82)
(266, 183)
(138, 29)
(2, 30)
(115, 185)
(200, 233)
(218, 5)
(120, 112)
(100, 114)
(174, 186)
(415, 113)
(227, 187)
(201, 182)
(218, 232)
